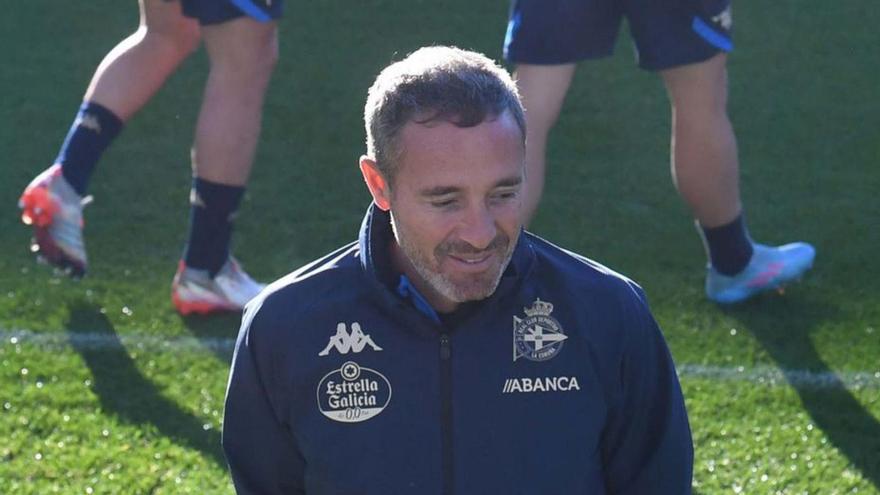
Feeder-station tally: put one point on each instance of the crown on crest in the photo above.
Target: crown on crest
(539, 308)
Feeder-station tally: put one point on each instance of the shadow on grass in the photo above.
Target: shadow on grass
(783, 326)
(215, 328)
(124, 391)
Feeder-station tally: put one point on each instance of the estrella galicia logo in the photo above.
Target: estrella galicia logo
(353, 394)
(538, 337)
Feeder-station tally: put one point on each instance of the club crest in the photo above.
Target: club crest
(538, 336)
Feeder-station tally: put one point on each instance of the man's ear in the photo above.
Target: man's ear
(376, 183)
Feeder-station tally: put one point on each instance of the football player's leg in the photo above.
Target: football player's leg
(242, 53)
(139, 65)
(686, 43)
(705, 166)
(125, 80)
(127, 77)
(706, 172)
(688, 46)
(545, 39)
(542, 89)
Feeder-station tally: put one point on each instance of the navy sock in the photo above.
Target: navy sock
(212, 210)
(729, 246)
(93, 129)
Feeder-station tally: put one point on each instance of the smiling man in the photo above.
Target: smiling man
(448, 351)
(455, 220)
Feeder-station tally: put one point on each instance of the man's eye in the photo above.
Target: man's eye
(503, 196)
(443, 203)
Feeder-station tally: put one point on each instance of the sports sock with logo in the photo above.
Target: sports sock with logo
(212, 211)
(729, 246)
(92, 131)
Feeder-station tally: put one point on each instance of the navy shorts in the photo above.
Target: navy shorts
(667, 33)
(219, 11)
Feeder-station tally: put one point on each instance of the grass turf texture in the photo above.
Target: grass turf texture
(125, 419)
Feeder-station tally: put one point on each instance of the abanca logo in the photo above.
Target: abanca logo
(541, 384)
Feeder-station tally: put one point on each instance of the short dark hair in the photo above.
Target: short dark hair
(435, 83)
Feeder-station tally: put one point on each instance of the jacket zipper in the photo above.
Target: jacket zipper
(446, 412)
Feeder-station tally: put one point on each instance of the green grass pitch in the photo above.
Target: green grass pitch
(104, 389)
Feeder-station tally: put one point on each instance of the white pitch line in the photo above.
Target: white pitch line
(769, 375)
(96, 341)
(761, 374)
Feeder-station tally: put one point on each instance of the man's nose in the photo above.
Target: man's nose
(478, 228)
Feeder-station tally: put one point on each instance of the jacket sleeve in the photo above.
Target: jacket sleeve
(261, 451)
(646, 443)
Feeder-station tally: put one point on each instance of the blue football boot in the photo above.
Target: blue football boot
(770, 268)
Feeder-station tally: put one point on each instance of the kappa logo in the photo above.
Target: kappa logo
(545, 384)
(353, 394)
(345, 342)
(195, 199)
(538, 337)
(90, 122)
(724, 19)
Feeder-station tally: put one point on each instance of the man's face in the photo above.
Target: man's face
(455, 207)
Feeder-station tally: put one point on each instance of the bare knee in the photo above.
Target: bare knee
(244, 48)
(177, 40)
(543, 89)
(266, 57)
(698, 91)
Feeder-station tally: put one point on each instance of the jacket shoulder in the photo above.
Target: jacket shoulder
(582, 275)
(328, 279)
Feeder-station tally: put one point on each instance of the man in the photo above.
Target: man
(241, 40)
(446, 351)
(686, 42)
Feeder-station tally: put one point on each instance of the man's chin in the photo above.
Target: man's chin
(471, 292)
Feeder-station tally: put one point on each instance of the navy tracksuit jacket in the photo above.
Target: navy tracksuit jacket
(344, 382)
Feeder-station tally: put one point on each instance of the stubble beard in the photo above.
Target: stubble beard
(469, 287)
